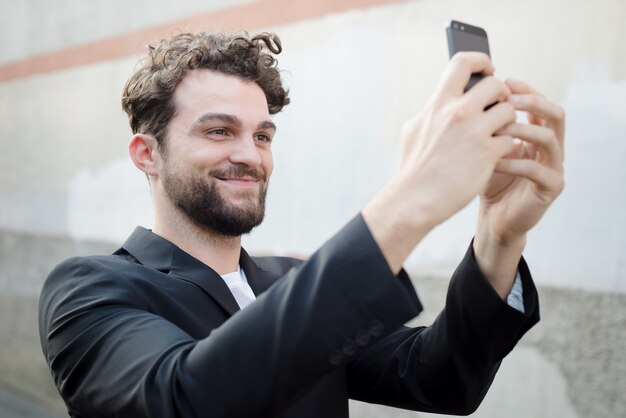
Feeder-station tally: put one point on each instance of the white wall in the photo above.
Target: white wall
(362, 74)
(354, 78)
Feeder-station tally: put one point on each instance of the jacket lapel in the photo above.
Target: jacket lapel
(258, 278)
(188, 268)
(159, 254)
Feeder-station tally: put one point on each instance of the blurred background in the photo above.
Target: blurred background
(357, 69)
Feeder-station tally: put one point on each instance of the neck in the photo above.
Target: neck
(217, 251)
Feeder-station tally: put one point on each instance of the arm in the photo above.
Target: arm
(523, 187)
(453, 151)
(449, 366)
(449, 152)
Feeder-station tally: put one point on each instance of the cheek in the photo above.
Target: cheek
(205, 157)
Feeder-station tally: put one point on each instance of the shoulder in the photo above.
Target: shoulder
(78, 265)
(95, 279)
(89, 268)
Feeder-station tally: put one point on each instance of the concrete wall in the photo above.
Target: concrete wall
(357, 70)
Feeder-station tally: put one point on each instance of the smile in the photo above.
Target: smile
(239, 181)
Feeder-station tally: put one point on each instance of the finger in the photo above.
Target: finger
(537, 105)
(504, 146)
(546, 179)
(488, 91)
(518, 150)
(498, 116)
(539, 136)
(460, 69)
(535, 120)
(519, 87)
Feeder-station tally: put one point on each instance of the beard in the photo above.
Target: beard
(207, 208)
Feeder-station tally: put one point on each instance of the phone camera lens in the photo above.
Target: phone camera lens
(462, 27)
(455, 25)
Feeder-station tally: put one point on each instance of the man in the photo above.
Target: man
(154, 331)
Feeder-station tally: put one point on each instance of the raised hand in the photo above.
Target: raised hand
(524, 185)
(449, 152)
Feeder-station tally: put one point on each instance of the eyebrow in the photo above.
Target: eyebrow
(231, 120)
(267, 124)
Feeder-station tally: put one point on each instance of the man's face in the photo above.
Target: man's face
(217, 157)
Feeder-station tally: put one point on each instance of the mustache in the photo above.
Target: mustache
(238, 172)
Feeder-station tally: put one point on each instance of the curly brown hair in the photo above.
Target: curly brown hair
(148, 94)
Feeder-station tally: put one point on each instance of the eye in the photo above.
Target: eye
(264, 138)
(218, 132)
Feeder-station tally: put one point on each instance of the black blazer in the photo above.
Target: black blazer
(152, 332)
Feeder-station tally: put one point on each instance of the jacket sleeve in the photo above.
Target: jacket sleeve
(111, 356)
(449, 366)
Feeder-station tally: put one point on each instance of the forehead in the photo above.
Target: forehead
(202, 91)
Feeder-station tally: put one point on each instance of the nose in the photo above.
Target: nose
(246, 152)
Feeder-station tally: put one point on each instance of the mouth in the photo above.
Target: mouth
(238, 176)
(239, 181)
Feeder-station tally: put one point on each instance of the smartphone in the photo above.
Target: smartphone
(464, 37)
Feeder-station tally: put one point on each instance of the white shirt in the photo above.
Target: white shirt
(239, 287)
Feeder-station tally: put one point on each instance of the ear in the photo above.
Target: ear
(144, 152)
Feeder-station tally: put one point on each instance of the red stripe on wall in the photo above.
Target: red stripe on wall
(251, 16)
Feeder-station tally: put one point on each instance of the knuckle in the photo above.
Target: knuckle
(506, 91)
(509, 111)
(546, 136)
(468, 58)
(560, 186)
(559, 113)
(506, 111)
(461, 59)
(553, 139)
(458, 114)
(411, 125)
(496, 84)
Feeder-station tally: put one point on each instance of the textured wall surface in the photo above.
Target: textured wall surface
(570, 365)
(357, 70)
